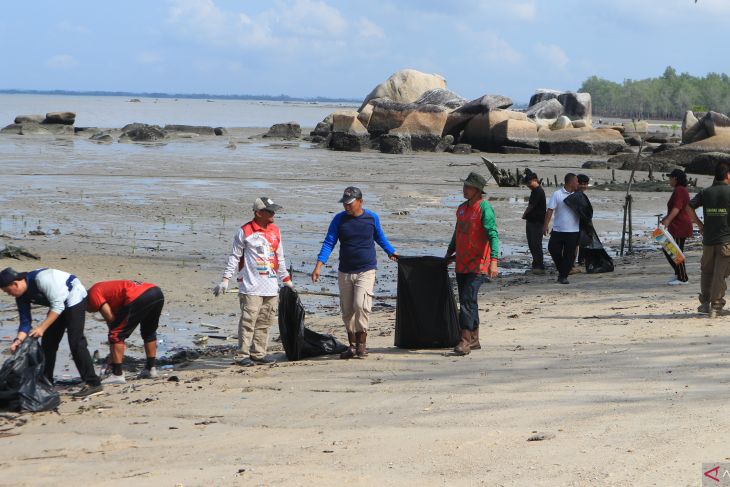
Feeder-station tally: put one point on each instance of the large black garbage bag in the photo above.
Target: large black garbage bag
(595, 256)
(301, 342)
(22, 383)
(426, 315)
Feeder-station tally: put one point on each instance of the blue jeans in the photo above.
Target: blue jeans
(468, 285)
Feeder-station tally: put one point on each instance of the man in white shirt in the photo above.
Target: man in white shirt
(258, 258)
(566, 228)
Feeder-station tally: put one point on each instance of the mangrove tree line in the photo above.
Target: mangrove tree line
(666, 97)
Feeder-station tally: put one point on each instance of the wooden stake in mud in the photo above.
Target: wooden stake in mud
(627, 207)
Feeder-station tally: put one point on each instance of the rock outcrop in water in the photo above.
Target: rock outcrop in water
(415, 111)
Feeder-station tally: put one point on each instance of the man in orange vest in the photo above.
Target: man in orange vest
(476, 244)
(258, 257)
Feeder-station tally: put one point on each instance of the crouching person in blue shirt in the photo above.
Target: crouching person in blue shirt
(65, 297)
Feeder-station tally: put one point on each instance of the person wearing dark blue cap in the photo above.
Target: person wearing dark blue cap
(65, 297)
(358, 230)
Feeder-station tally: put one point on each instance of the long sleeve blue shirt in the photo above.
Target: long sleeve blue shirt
(357, 236)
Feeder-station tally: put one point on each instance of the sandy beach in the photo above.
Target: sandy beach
(619, 374)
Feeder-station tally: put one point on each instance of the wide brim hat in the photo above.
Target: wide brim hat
(475, 180)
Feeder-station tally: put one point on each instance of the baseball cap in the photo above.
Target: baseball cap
(351, 194)
(529, 176)
(8, 275)
(265, 203)
(675, 173)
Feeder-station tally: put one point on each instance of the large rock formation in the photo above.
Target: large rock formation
(348, 134)
(141, 132)
(580, 141)
(64, 118)
(706, 162)
(388, 115)
(287, 130)
(479, 131)
(405, 86)
(460, 117)
(34, 128)
(515, 133)
(29, 118)
(547, 105)
(441, 97)
(191, 129)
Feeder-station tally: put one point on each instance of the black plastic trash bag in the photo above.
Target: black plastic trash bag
(426, 315)
(595, 256)
(22, 383)
(300, 342)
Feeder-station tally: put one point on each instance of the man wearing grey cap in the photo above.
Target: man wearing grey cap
(357, 229)
(258, 258)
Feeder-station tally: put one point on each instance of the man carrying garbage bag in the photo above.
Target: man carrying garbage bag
(476, 244)
(124, 305)
(65, 297)
(357, 229)
(258, 257)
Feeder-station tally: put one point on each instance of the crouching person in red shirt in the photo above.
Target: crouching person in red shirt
(124, 305)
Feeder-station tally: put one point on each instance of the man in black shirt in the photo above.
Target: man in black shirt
(534, 217)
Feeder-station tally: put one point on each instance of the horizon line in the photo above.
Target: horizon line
(200, 96)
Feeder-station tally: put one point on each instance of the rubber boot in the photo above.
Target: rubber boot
(464, 348)
(475, 345)
(361, 339)
(350, 352)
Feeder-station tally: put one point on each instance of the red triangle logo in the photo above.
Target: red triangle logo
(716, 470)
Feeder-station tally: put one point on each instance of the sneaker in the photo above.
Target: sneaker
(88, 391)
(114, 379)
(245, 362)
(148, 373)
(704, 308)
(265, 360)
(677, 282)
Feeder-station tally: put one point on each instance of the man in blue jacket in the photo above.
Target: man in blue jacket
(357, 229)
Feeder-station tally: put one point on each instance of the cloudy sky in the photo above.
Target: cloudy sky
(344, 48)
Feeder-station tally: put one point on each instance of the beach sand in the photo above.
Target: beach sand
(627, 382)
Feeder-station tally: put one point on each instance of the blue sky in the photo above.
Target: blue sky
(344, 48)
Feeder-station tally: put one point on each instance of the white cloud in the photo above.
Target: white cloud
(496, 49)
(553, 54)
(310, 18)
(368, 29)
(62, 61)
(523, 10)
(285, 25)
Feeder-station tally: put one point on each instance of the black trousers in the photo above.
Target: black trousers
(562, 247)
(534, 242)
(71, 321)
(144, 310)
(679, 270)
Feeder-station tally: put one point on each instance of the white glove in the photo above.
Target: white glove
(220, 288)
(289, 284)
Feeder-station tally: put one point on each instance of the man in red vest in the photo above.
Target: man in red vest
(258, 257)
(476, 244)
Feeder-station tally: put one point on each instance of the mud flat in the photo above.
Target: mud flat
(619, 367)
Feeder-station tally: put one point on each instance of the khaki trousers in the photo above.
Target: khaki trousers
(257, 316)
(715, 267)
(356, 299)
